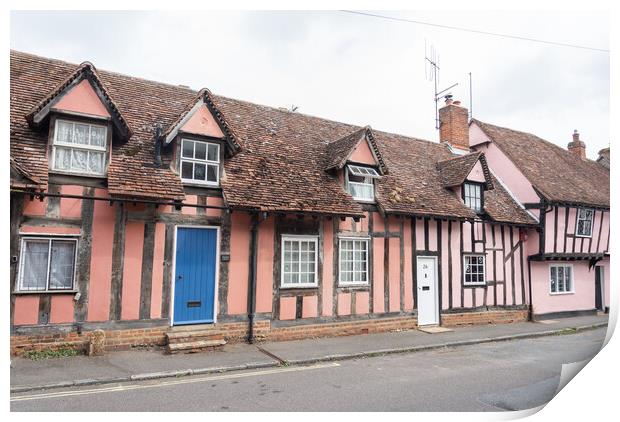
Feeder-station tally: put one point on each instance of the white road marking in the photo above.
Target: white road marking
(119, 388)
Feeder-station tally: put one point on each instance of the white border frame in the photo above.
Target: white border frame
(572, 281)
(174, 270)
(484, 270)
(80, 146)
(587, 236)
(354, 283)
(298, 237)
(20, 272)
(436, 270)
(205, 162)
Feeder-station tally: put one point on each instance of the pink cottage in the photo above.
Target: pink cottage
(149, 210)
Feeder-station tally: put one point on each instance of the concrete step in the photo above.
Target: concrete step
(194, 327)
(196, 335)
(195, 346)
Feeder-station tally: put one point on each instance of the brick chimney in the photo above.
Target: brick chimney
(453, 124)
(577, 147)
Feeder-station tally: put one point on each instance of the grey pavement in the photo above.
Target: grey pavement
(153, 363)
(502, 376)
(330, 348)
(124, 364)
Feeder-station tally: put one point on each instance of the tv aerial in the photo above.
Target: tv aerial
(431, 71)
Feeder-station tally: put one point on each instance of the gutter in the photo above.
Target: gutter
(177, 204)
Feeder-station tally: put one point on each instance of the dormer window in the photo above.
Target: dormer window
(200, 162)
(79, 148)
(360, 182)
(472, 196)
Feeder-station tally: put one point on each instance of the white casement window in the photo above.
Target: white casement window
(299, 261)
(561, 279)
(353, 262)
(360, 182)
(200, 162)
(473, 274)
(584, 222)
(47, 264)
(79, 148)
(472, 195)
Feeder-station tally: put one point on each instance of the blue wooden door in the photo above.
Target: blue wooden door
(194, 289)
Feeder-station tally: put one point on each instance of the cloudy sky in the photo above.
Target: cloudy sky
(356, 69)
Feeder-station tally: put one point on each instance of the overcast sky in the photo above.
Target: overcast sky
(356, 69)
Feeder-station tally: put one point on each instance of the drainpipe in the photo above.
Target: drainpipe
(158, 142)
(529, 279)
(252, 276)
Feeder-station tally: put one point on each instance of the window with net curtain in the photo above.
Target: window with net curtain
(360, 182)
(79, 148)
(47, 264)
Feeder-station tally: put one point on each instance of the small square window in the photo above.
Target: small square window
(473, 270)
(360, 182)
(560, 279)
(585, 218)
(200, 162)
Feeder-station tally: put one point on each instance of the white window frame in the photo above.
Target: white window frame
(19, 288)
(299, 238)
(579, 210)
(354, 282)
(363, 171)
(103, 149)
(572, 279)
(368, 181)
(479, 198)
(206, 162)
(484, 269)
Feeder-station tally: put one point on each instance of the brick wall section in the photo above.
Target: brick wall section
(484, 317)
(114, 340)
(237, 331)
(348, 328)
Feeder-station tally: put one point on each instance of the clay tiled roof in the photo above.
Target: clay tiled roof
(500, 206)
(339, 151)
(22, 178)
(455, 170)
(557, 174)
(281, 166)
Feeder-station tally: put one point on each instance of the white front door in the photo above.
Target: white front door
(428, 303)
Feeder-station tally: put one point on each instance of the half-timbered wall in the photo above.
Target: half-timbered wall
(125, 255)
(505, 262)
(560, 225)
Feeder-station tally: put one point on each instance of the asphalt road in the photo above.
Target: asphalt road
(510, 375)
